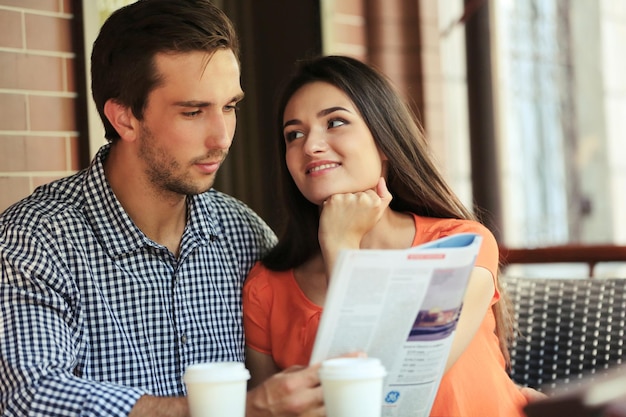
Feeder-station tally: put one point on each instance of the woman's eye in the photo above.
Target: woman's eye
(294, 134)
(336, 123)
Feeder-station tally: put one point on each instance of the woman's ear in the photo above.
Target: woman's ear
(383, 157)
(384, 169)
(122, 119)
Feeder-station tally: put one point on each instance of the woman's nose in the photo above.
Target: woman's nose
(315, 143)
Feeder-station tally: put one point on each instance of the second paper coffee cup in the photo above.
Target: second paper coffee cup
(352, 387)
(217, 389)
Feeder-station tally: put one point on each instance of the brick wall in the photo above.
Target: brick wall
(38, 134)
(343, 24)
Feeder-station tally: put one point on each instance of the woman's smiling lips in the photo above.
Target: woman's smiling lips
(320, 166)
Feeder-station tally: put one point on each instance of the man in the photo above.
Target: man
(117, 278)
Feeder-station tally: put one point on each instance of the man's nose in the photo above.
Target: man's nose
(219, 131)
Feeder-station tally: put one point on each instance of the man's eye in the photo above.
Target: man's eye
(294, 134)
(191, 113)
(230, 108)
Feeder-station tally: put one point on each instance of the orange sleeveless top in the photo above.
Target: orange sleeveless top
(279, 320)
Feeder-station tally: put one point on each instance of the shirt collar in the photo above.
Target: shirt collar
(116, 230)
(109, 221)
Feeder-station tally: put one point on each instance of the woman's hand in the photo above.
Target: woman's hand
(346, 218)
(532, 394)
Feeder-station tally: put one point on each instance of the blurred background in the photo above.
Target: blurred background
(522, 101)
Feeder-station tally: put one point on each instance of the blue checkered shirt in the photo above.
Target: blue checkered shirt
(94, 314)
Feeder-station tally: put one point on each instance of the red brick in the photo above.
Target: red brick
(31, 72)
(48, 33)
(46, 154)
(349, 34)
(12, 153)
(33, 154)
(67, 6)
(42, 5)
(13, 189)
(10, 29)
(70, 80)
(37, 181)
(13, 114)
(74, 162)
(52, 113)
(396, 34)
(349, 7)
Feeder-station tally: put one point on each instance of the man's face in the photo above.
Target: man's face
(189, 120)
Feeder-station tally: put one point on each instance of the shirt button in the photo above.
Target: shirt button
(183, 339)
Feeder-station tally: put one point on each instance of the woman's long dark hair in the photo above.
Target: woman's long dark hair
(412, 176)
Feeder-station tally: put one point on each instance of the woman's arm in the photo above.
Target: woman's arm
(260, 365)
(477, 298)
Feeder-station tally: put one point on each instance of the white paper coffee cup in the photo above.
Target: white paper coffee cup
(217, 389)
(352, 387)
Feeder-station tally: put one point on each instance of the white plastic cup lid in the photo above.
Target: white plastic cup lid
(352, 368)
(216, 372)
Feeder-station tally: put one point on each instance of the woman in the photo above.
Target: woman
(357, 173)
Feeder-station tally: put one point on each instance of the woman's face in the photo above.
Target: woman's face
(330, 149)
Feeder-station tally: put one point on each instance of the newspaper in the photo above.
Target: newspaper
(400, 306)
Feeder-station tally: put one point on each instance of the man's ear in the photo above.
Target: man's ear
(122, 119)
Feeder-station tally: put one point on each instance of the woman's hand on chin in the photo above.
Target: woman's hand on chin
(346, 218)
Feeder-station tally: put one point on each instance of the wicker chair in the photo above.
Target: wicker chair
(568, 329)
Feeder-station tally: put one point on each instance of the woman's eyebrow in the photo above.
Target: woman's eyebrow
(330, 110)
(292, 122)
(321, 113)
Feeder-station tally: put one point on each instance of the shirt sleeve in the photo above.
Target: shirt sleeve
(256, 310)
(42, 338)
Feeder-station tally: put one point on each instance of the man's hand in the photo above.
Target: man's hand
(294, 392)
